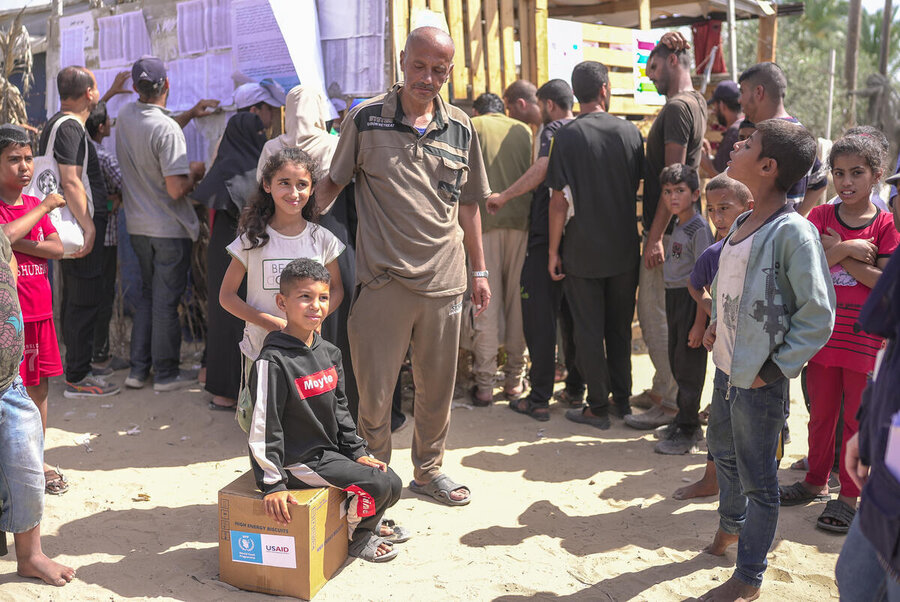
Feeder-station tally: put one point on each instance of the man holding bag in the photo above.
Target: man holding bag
(81, 184)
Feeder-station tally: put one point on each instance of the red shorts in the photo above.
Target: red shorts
(41, 353)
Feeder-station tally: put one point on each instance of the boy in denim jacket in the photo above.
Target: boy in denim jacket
(773, 309)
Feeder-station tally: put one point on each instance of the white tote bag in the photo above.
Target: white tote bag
(45, 180)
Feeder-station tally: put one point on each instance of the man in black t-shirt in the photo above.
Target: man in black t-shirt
(542, 297)
(599, 158)
(85, 193)
(676, 136)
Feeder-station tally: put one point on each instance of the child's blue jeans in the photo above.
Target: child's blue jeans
(21, 461)
(744, 425)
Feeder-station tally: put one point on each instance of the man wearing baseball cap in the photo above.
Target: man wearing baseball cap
(725, 107)
(262, 99)
(156, 176)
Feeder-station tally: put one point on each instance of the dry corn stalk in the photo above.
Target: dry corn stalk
(15, 52)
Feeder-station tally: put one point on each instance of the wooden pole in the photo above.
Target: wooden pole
(830, 94)
(508, 41)
(541, 48)
(767, 40)
(885, 36)
(854, 22)
(476, 47)
(644, 14)
(732, 41)
(460, 75)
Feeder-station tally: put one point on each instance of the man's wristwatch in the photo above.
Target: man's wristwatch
(480, 274)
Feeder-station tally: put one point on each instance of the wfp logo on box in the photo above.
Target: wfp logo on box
(246, 547)
(260, 548)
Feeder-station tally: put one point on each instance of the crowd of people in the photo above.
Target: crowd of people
(335, 259)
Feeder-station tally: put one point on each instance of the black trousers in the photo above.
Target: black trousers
(602, 311)
(340, 221)
(225, 331)
(82, 296)
(370, 485)
(104, 315)
(688, 364)
(543, 305)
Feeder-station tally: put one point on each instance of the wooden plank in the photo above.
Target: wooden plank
(606, 34)
(603, 8)
(436, 5)
(399, 31)
(541, 47)
(415, 6)
(476, 47)
(460, 75)
(644, 14)
(508, 41)
(610, 58)
(525, 39)
(492, 43)
(621, 81)
(767, 40)
(625, 105)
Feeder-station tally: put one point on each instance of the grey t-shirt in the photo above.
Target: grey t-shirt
(686, 244)
(150, 146)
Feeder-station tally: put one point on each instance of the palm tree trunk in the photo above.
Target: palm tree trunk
(854, 21)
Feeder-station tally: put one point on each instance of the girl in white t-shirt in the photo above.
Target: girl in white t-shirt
(275, 228)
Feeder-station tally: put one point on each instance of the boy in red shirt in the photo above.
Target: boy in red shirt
(34, 241)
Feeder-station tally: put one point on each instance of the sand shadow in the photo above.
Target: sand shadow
(628, 586)
(646, 527)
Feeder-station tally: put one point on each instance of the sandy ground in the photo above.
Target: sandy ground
(559, 511)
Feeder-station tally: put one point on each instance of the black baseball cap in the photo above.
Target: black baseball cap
(149, 69)
(727, 91)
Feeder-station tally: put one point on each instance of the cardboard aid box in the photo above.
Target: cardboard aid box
(258, 554)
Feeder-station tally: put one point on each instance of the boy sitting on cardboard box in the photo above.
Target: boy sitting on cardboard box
(302, 434)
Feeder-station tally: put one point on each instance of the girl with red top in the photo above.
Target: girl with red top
(858, 239)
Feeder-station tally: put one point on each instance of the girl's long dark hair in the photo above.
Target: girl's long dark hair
(259, 211)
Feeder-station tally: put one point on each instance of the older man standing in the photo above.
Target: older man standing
(419, 177)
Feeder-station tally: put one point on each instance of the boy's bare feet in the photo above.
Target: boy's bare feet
(721, 543)
(708, 485)
(41, 567)
(733, 590)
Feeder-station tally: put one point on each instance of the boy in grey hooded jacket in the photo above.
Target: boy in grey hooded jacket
(773, 310)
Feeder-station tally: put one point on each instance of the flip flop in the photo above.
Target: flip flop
(367, 549)
(538, 412)
(440, 488)
(840, 515)
(216, 407)
(801, 465)
(55, 482)
(399, 535)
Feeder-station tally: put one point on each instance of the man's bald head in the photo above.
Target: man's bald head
(431, 37)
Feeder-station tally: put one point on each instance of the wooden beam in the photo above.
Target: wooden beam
(767, 41)
(507, 41)
(605, 8)
(610, 58)
(399, 31)
(606, 34)
(492, 42)
(644, 14)
(460, 75)
(436, 5)
(476, 47)
(415, 6)
(525, 39)
(541, 46)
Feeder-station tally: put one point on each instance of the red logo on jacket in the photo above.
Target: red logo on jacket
(318, 383)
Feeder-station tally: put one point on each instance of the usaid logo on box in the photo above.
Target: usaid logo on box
(259, 548)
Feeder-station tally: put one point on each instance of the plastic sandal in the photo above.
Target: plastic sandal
(440, 488)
